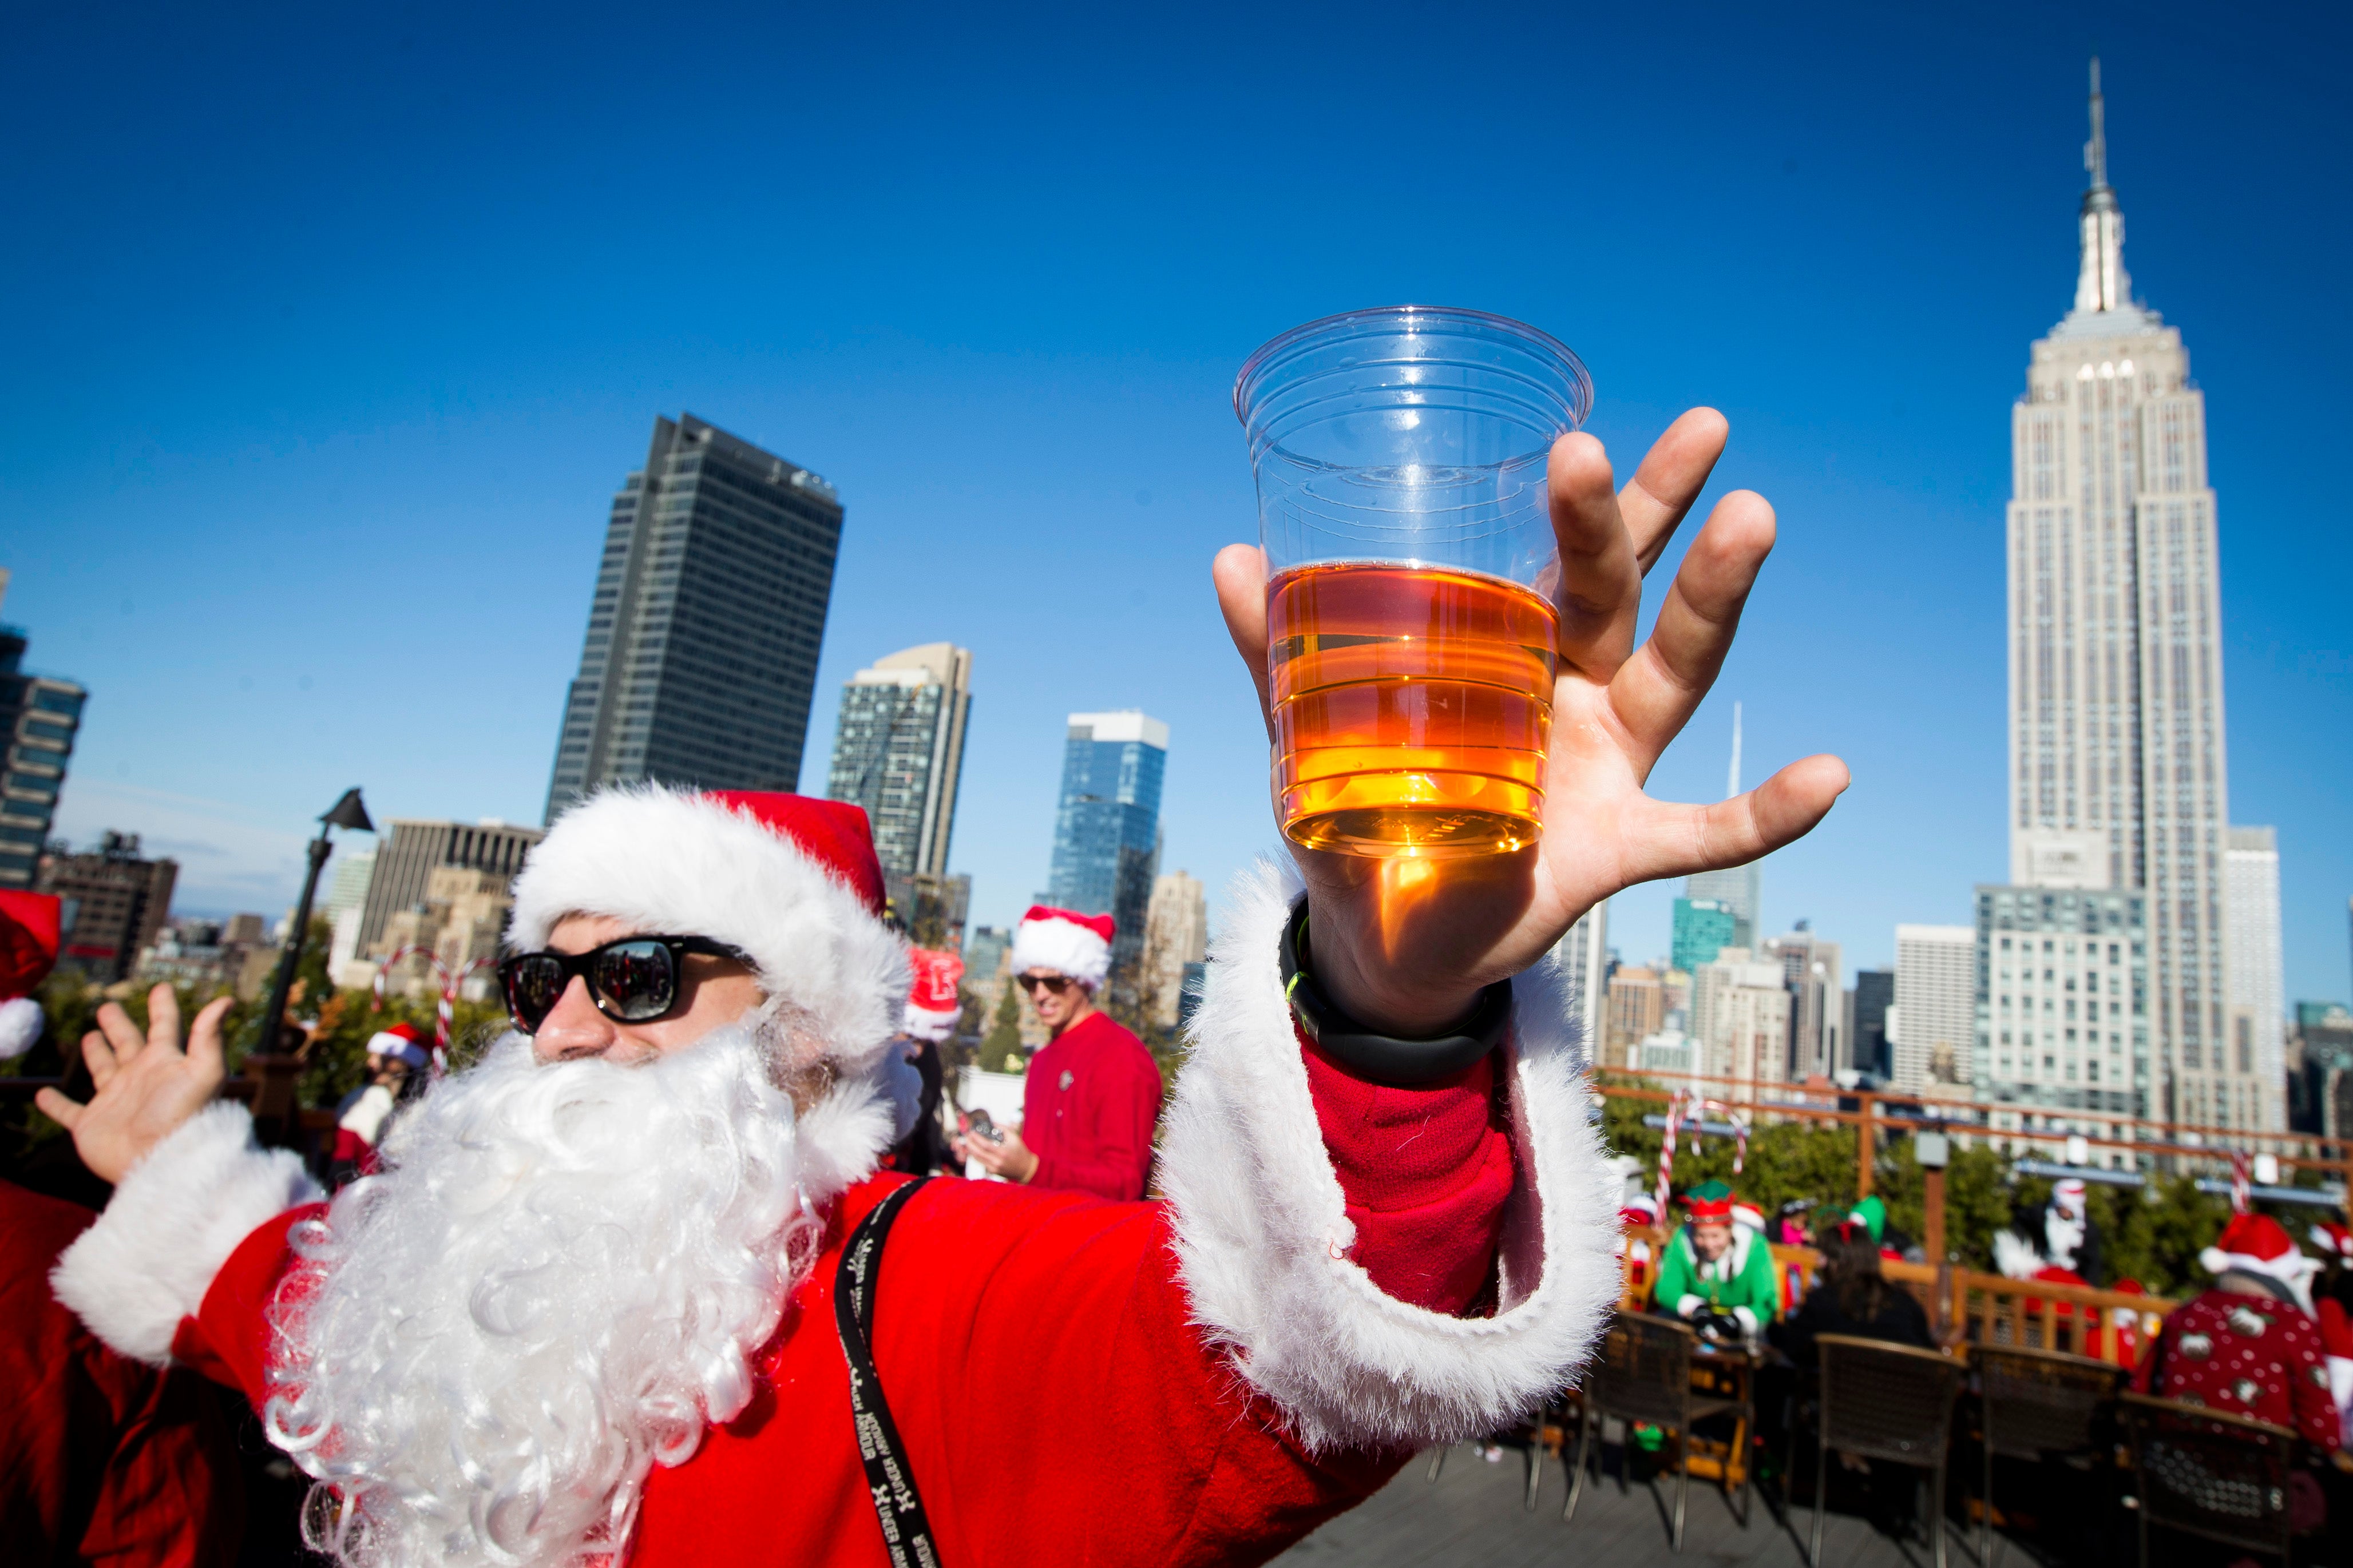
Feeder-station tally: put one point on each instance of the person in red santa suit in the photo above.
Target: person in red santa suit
(632, 1286)
(397, 1060)
(2248, 1343)
(1094, 1091)
(2333, 1311)
(933, 1009)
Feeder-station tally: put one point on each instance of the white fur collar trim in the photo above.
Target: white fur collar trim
(1262, 1234)
(170, 1224)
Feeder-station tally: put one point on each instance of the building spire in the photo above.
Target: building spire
(1732, 782)
(2095, 150)
(2101, 282)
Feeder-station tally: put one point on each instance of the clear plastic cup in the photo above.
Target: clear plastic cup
(1400, 458)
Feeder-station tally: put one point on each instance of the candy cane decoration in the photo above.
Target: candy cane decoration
(2243, 1190)
(1667, 1152)
(445, 1009)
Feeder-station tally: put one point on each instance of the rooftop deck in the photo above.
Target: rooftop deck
(1473, 1515)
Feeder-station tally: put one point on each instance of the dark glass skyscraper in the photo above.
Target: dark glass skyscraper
(700, 656)
(1107, 827)
(39, 717)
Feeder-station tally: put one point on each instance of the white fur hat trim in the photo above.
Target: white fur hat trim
(672, 862)
(1064, 947)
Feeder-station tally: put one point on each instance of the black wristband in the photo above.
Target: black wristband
(1384, 1058)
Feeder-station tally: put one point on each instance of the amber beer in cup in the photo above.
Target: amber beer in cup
(1400, 458)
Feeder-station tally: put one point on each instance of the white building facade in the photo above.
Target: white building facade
(1935, 1007)
(2255, 981)
(2062, 1000)
(2118, 775)
(1583, 954)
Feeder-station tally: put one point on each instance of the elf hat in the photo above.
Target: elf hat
(1870, 1212)
(790, 882)
(28, 948)
(2255, 1243)
(1065, 942)
(400, 1042)
(1710, 1203)
(931, 1005)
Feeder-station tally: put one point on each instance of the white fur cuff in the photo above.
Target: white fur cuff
(1262, 1233)
(170, 1224)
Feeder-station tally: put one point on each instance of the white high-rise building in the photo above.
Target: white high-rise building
(2255, 981)
(1936, 1003)
(1582, 954)
(2117, 770)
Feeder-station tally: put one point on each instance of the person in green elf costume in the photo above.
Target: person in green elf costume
(1718, 1276)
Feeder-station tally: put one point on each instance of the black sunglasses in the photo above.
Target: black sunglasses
(632, 981)
(1057, 983)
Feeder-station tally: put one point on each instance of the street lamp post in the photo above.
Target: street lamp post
(349, 814)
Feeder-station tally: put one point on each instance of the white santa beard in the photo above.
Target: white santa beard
(558, 1281)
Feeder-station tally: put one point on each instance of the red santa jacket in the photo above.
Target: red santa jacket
(2249, 1355)
(1338, 1275)
(1088, 1110)
(102, 1460)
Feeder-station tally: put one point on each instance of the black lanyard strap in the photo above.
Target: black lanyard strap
(890, 1478)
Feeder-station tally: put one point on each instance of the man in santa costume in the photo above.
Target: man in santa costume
(2248, 1343)
(631, 1287)
(397, 1060)
(1718, 1274)
(1092, 1095)
(933, 1006)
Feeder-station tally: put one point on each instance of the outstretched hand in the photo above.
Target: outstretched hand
(146, 1085)
(1405, 945)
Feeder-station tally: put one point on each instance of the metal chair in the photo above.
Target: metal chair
(1890, 1402)
(2037, 1405)
(1644, 1374)
(2208, 1473)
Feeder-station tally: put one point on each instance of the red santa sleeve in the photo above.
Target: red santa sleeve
(102, 1460)
(173, 1222)
(1118, 1103)
(1328, 1252)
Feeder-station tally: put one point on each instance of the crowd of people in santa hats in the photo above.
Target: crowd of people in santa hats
(601, 1291)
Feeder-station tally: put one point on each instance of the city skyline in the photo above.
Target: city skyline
(996, 405)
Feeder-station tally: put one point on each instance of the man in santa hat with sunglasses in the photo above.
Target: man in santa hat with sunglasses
(631, 1287)
(1094, 1091)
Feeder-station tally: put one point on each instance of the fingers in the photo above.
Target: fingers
(100, 1056)
(1667, 839)
(1674, 472)
(1600, 588)
(1239, 572)
(122, 1035)
(66, 1113)
(205, 1047)
(164, 1018)
(1655, 693)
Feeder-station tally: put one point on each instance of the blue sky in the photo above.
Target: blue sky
(330, 334)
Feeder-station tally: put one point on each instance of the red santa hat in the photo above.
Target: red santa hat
(2256, 1244)
(28, 950)
(401, 1042)
(791, 882)
(2333, 1240)
(932, 1007)
(1748, 1214)
(1066, 942)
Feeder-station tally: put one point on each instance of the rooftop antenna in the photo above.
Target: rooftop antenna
(2095, 150)
(1731, 782)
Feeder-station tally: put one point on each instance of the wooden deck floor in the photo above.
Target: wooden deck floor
(1473, 1515)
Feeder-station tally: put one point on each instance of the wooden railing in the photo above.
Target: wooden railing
(1964, 1306)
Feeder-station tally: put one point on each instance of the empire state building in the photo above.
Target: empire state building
(2119, 774)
